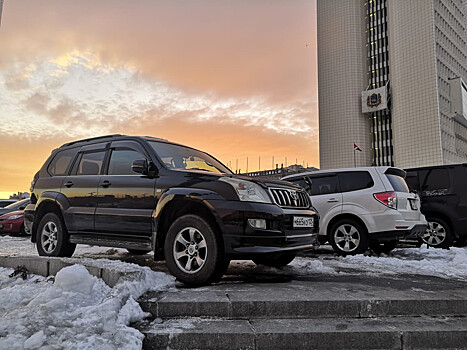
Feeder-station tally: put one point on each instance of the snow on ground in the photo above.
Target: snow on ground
(76, 311)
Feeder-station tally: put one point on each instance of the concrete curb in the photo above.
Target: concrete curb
(46, 266)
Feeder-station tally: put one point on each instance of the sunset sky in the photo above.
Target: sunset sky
(236, 78)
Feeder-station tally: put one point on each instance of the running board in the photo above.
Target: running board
(114, 242)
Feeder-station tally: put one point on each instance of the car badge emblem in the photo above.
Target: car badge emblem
(293, 195)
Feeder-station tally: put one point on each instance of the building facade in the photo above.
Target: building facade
(391, 76)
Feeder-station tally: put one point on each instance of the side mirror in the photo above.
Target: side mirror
(140, 166)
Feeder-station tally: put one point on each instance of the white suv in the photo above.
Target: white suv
(363, 207)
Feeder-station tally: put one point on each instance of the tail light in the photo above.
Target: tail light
(389, 199)
(33, 182)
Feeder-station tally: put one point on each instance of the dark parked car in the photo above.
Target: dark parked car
(18, 205)
(443, 190)
(5, 202)
(13, 223)
(145, 193)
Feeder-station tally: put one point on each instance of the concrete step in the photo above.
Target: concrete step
(302, 299)
(312, 333)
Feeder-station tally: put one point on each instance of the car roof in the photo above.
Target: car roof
(382, 169)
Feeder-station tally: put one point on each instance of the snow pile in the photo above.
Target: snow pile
(307, 266)
(443, 263)
(78, 311)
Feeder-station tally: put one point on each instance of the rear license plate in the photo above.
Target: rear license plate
(413, 205)
(302, 221)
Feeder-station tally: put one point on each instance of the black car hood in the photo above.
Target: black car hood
(266, 182)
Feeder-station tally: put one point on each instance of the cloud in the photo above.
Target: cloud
(80, 96)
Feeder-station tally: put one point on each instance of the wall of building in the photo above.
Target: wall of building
(414, 85)
(450, 20)
(342, 67)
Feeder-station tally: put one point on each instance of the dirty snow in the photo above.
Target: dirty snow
(76, 311)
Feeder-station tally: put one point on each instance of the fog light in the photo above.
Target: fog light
(257, 223)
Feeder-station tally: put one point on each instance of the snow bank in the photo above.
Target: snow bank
(78, 311)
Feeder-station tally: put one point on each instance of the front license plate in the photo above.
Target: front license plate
(302, 221)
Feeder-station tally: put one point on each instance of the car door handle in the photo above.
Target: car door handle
(105, 183)
(69, 184)
(332, 200)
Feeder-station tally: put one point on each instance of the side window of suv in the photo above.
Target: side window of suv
(121, 161)
(90, 163)
(355, 180)
(435, 179)
(61, 163)
(324, 185)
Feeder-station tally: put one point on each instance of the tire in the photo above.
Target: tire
(52, 237)
(348, 237)
(438, 234)
(275, 260)
(138, 251)
(383, 247)
(193, 251)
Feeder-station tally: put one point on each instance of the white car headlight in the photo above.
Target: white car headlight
(247, 191)
(13, 217)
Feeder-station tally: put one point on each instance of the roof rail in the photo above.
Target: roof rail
(90, 139)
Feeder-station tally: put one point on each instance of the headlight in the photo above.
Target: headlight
(247, 191)
(13, 217)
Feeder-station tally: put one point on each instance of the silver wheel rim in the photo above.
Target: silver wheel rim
(190, 250)
(435, 234)
(347, 238)
(49, 237)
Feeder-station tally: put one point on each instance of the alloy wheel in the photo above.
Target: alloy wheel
(190, 250)
(435, 234)
(49, 237)
(347, 238)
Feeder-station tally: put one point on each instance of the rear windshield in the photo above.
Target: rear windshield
(398, 183)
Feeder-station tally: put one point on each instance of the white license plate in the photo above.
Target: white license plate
(302, 221)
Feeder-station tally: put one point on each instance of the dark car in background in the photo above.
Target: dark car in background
(145, 193)
(17, 205)
(443, 191)
(5, 202)
(12, 223)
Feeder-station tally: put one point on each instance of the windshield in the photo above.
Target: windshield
(18, 204)
(183, 158)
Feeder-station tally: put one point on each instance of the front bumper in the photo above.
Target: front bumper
(242, 240)
(11, 226)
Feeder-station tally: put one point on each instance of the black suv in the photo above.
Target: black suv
(145, 193)
(443, 190)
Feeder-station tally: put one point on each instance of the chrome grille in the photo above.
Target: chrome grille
(290, 198)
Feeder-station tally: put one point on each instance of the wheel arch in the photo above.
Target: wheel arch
(46, 205)
(345, 216)
(174, 207)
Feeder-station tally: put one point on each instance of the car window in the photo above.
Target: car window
(323, 185)
(355, 180)
(121, 161)
(303, 182)
(435, 179)
(412, 180)
(398, 183)
(61, 163)
(91, 163)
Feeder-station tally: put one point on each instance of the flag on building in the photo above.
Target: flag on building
(356, 148)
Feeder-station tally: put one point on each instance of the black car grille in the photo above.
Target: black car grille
(290, 198)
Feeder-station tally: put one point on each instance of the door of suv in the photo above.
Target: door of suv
(125, 198)
(325, 197)
(80, 188)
